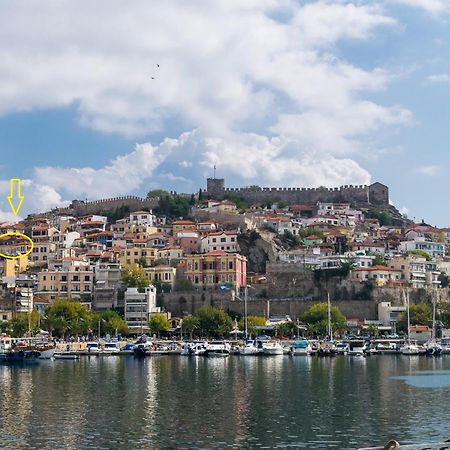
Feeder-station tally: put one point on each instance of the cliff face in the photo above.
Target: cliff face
(259, 249)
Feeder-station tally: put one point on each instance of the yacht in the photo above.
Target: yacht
(302, 348)
(272, 348)
(110, 348)
(16, 351)
(409, 348)
(194, 349)
(249, 348)
(220, 349)
(93, 347)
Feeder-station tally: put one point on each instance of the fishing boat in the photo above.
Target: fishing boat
(12, 350)
(300, 348)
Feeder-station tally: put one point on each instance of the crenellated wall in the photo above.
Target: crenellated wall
(377, 193)
(80, 207)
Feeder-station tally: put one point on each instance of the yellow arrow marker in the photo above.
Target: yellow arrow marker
(15, 199)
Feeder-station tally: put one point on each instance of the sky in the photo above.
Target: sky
(108, 98)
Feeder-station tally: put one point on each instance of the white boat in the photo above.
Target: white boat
(194, 349)
(249, 348)
(342, 348)
(110, 348)
(409, 348)
(47, 353)
(220, 349)
(93, 347)
(300, 348)
(272, 348)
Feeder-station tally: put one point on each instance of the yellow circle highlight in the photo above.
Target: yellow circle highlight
(16, 233)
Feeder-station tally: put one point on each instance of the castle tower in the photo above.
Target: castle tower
(215, 188)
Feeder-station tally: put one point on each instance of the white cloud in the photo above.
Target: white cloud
(241, 158)
(429, 171)
(260, 81)
(439, 78)
(430, 6)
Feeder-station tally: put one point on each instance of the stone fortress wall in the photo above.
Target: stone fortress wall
(374, 194)
(80, 207)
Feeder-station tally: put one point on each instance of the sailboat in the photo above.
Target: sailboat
(328, 348)
(432, 348)
(409, 348)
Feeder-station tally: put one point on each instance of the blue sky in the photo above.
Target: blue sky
(295, 93)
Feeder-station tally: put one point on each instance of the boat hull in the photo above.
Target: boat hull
(20, 357)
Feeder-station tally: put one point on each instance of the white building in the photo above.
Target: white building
(142, 218)
(222, 240)
(139, 306)
(434, 249)
(388, 314)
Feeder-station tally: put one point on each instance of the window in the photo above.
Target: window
(87, 278)
(230, 265)
(223, 239)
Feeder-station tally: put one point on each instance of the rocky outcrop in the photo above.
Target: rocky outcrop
(259, 248)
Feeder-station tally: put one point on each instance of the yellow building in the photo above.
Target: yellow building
(12, 266)
(71, 281)
(161, 274)
(183, 225)
(136, 255)
(215, 268)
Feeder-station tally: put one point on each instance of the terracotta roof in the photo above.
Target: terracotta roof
(375, 268)
(183, 222)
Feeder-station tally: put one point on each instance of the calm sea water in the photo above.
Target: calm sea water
(266, 402)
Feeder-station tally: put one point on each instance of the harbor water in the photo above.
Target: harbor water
(218, 403)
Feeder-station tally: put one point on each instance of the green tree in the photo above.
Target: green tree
(379, 261)
(444, 279)
(420, 314)
(421, 253)
(443, 313)
(214, 321)
(134, 276)
(113, 322)
(287, 329)
(67, 316)
(252, 323)
(183, 284)
(372, 330)
(158, 323)
(190, 325)
(316, 319)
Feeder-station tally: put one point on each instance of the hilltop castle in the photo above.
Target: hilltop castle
(375, 194)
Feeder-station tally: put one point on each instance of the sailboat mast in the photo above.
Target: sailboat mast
(407, 310)
(330, 330)
(433, 330)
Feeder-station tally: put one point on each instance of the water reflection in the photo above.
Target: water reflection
(236, 402)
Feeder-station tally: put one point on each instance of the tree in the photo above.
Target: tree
(134, 276)
(252, 323)
(183, 284)
(372, 330)
(444, 279)
(24, 323)
(190, 325)
(68, 316)
(287, 329)
(316, 319)
(379, 261)
(113, 322)
(214, 321)
(158, 322)
(419, 314)
(421, 253)
(443, 313)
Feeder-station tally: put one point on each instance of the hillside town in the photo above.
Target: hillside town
(196, 250)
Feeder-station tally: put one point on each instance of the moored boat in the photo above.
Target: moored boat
(220, 349)
(300, 348)
(272, 348)
(249, 348)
